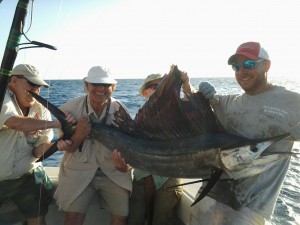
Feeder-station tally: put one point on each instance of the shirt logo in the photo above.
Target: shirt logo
(275, 111)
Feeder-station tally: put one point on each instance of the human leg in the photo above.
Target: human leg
(36, 221)
(118, 220)
(114, 198)
(166, 201)
(137, 203)
(74, 218)
(32, 199)
(76, 212)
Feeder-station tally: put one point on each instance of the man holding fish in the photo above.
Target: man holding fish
(263, 110)
(25, 135)
(150, 200)
(87, 167)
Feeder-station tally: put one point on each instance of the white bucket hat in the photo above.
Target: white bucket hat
(98, 75)
(30, 73)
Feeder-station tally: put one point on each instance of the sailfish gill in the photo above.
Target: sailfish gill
(176, 137)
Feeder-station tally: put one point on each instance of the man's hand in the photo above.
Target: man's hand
(207, 90)
(64, 145)
(187, 88)
(70, 118)
(83, 128)
(120, 163)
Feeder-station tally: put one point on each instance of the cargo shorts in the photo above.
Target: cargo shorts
(32, 199)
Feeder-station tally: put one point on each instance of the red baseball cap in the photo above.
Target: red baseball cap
(251, 50)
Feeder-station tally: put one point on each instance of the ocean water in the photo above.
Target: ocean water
(287, 211)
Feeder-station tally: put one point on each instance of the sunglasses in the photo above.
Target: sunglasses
(152, 86)
(248, 64)
(100, 85)
(28, 82)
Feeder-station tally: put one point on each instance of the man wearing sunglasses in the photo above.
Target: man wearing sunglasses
(87, 169)
(25, 135)
(150, 200)
(262, 111)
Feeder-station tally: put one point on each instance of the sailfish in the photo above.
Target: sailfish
(177, 137)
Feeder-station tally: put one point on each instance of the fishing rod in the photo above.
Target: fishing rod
(12, 46)
(13, 40)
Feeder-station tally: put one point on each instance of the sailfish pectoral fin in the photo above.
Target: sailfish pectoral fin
(214, 177)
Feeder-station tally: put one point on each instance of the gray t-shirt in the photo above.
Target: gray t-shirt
(267, 114)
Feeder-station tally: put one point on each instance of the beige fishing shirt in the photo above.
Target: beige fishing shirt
(78, 169)
(16, 147)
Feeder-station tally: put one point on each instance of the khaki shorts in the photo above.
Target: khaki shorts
(112, 197)
(164, 202)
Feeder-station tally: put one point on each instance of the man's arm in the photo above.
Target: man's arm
(83, 128)
(26, 124)
(40, 150)
(119, 162)
(187, 88)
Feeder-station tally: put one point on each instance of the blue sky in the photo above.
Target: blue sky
(133, 38)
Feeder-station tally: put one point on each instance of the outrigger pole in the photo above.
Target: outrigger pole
(11, 51)
(12, 46)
